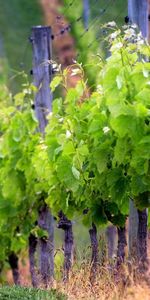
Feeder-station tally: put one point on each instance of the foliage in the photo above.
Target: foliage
(19, 293)
(95, 153)
(98, 151)
(17, 196)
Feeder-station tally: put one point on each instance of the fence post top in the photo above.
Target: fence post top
(41, 27)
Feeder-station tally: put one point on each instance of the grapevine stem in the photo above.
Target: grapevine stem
(94, 246)
(13, 261)
(32, 251)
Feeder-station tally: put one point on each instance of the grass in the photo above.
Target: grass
(121, 286)
(19, 293)
(106, 286)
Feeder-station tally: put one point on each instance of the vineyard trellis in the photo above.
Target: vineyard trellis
(89, 157)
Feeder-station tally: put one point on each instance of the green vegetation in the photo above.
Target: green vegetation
(96, 151)
(18, 293)
(93, 156)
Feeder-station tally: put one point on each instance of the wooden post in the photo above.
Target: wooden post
(41, 41)
(138, 12)
(42, 72)
(111, 235)
(148, 20)
(133, 11)
(133, 230)
(86, 13)
(143, 17)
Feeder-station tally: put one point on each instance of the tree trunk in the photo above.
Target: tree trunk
(94, 246)
(13, 261)
(111, 238)
(142, 238)
(45, 221)
(121, 245)
(32, 251)
(66, 225)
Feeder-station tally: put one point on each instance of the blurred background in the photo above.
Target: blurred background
(18, 16)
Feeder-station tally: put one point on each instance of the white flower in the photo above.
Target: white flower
(106, 129)
(111, 24)
(100, 89)
(50, 115)
(68, 134)
(44, 147)
(114, 34)
(130, 32)
(61, 120)
(134, 26)
(116, 46)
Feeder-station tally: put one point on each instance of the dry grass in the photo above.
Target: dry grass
(106, 287)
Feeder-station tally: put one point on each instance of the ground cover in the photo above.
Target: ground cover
(19, 293)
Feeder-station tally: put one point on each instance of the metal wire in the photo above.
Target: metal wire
(67, 28)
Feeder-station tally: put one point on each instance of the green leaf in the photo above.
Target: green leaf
(57, 105)
(55, 82)
(19, 99)
(65, 174)
(34, 116)
(68, 148)
(75, 173)
(119, 82)
(83, 150)
(145, 73)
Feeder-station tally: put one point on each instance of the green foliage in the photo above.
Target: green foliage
(17, 198)
(95, 154)
(98, 151)
(19, 293)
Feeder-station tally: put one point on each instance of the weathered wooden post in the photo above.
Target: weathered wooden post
(133, 230)
(111, 234)
(148, 20)
(138, 12)
(86, 13)
(42, 73)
